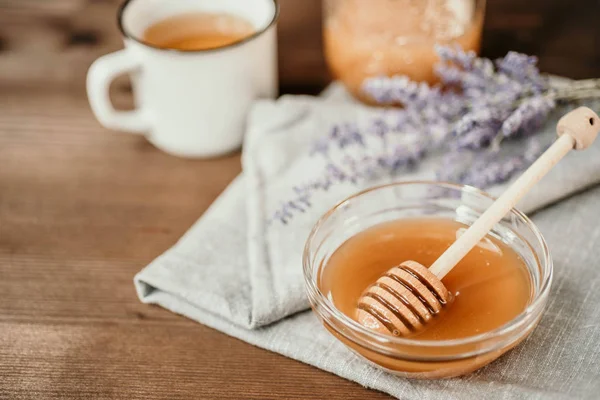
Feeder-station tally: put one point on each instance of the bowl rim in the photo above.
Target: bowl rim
(322, 300)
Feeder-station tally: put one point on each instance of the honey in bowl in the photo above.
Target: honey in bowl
(490, 286)
(356, 242)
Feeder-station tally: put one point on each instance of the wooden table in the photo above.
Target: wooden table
(82, 209)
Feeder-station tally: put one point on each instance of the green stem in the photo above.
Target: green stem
(576, 90)
(576, 94)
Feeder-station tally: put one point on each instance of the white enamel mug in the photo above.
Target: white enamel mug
(188, 103)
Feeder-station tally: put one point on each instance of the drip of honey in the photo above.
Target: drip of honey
(490, 286)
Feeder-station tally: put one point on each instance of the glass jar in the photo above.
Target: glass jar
(367, 38)
(425, 358)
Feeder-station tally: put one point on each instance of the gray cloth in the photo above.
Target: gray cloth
(241, 274)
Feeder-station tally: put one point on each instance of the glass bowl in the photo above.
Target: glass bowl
(425, 359)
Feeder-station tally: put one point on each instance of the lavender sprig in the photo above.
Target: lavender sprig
(528, 116)
(489, 168)
(399, 89)
(478, 105)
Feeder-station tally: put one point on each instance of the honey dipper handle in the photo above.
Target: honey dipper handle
(574, 129)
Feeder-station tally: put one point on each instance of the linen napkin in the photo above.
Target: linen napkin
(238, 269)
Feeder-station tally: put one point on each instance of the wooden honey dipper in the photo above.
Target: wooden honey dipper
(408, 296)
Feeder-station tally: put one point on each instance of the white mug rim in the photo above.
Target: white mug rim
(246, 39)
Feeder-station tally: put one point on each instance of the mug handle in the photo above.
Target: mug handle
(101, 73)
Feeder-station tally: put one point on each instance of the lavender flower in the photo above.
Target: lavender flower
(402, 157)
(479, 118)
(529, 116)
(380, 128)
(490, 168)
(477, 138)
(486, 172)
(479, 105)
(456, 55)
(349, 136)
(463, 69)
(341, 135)
(448, 74)
(522, 68)
(398, 90)
(503, 93)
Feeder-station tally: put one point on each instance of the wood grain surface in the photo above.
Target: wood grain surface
(82, 209)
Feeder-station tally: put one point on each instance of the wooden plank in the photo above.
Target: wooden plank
(115, 360)
(82, 209)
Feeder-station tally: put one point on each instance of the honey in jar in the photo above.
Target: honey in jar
(368, 38)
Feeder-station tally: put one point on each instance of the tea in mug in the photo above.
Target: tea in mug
(198, 31)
